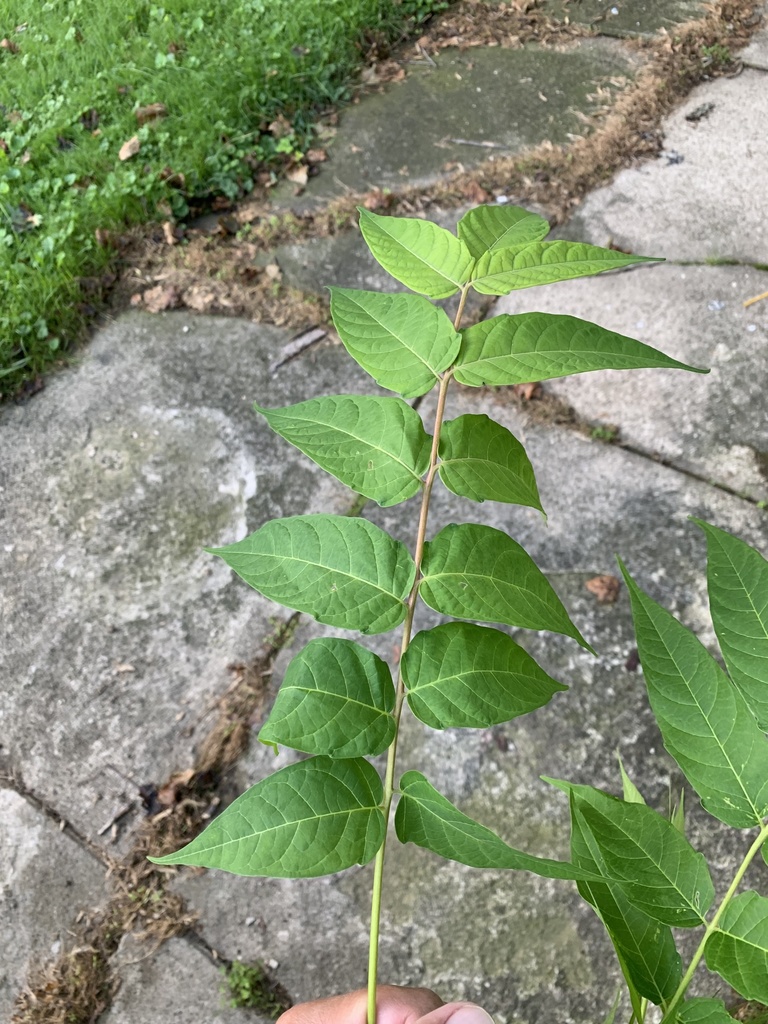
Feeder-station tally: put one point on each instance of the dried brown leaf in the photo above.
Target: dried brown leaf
(151, 112)
(129, 148)
(605, 588)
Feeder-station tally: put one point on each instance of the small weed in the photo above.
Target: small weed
(716, 55)
(249, 986)
(607, 432)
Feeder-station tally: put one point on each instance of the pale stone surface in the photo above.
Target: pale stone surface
(117, 628)
(176, 984)
(511, 99)
(756, 54)
(626, 18)
(46, 880)
(700, 199)
(715, 425)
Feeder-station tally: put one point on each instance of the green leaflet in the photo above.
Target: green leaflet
(505, 270)
(344, 571)
(525, 347)
(426, 818)
(646, 948)
(376, 446)
(467, 676)
(476, 572)
(336, 698)
(704, 721)
(629, 790)
(738, 949)
(737, 577)
(309, 819)
(402, 341)
(422, 256)
(658, 870)
(487, 228)
(482, 460)
(703, 1011)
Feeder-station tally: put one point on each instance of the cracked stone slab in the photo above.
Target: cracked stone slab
(715, 425)
(700, 199)
(756, 54)
(497, 100)
(515, 943)
(626, 18)
(175, 984)
(117, 627)
(46, 880)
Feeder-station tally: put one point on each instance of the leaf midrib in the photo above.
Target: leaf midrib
(328, 568)
(393, 333)
(329, 693)
(435, 269)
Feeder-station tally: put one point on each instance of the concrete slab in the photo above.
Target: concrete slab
(626, 18)
(514, 943)
(756, 54)
(700, 199)
(176, 984)
(469, 106)
(714, 425)
(117, 628)
(46, 880)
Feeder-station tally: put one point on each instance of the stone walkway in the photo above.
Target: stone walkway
(135, 665)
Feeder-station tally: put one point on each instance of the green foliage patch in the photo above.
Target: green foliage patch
(72, 77)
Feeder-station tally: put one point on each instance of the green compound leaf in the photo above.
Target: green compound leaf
(422, 256)
(703, 1011)
(488, 228)
(658, 870)
(376, 446)
(402, 341)
(525, 347)
(426, 818)
(737, 577)
(336, 698)
(482, 460)
(466, 676)
(738, 950)
(646, 948)
(476, 572)
(312, 818)
(704, 721)
(346, 572)
(505, 270)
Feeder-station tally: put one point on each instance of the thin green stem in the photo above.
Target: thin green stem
(682, 988)
(389, 775)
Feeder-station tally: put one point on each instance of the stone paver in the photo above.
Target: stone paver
(756, 54)
(701, 199)
(175, 984)
(626, 18)
(46, 880)
(510, 99)
(117, 626)
(715, 425)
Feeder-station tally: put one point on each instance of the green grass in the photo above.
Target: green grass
(70, 82)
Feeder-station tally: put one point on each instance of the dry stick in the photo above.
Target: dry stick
(389, 777)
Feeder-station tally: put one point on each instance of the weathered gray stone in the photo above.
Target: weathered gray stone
(626, 18)
(696, 201)
(510, 99)
(117, 628)
(756, 54)
(715, 425)
(177, 984)
(517, 944)
(46, 880)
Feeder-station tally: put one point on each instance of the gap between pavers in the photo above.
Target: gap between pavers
(714, 425)
(46, 880)
(756, 54)
(702, 198)
(517, 944)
